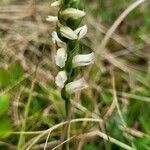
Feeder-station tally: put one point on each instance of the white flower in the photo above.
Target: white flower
(55, 37)
(52, 18)
(60, 79)
(61, 57)
(57, 40)
(81, 31)
(56, 3)
(72, 12)
(68, 33)
(76, 85)
(83, 59)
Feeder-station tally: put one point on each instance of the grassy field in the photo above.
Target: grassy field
(112, 114)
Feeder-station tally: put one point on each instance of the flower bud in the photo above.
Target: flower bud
(72, 12)
(76, 85)
(61, 57)
(68, 33)
(81, 31)
(60, 79)
(52, 18)
(56, 3)
(83, 59)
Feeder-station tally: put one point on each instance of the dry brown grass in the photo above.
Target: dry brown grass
(26, 39)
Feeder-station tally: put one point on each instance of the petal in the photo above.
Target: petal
(68, 33)
(81, 31)
(83, 59)
(72, 12)
(56, 3)
(52, 18)
(61, 57)
(76, 85)
(57, 40)
(55, 37)
(61, 78)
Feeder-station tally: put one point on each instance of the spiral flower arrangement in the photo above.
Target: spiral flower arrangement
(71, 54)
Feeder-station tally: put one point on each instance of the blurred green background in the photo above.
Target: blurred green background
(27, 72)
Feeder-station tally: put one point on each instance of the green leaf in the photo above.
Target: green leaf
(142, 143)
(4, 78)
(48, 120)
(9, 76)
(91, 147)
(4, 103)
(5, 127)
(15, 70)
(106, 97)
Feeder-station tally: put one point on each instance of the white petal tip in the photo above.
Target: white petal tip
(60, 79)
(74, 13)
(81, 31)
(61, 57)
(57, 40)
(52, 18)
(76, 86)
(83, 59)
(56, 3)
(68, 33)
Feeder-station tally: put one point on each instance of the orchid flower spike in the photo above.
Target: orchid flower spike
(56, 3)
(73, 13)
(83, 59)
(61, 57)
(61, 78)
(76, 86)
(52, 18)
(81, 31)
(68, 33)
(57, 40)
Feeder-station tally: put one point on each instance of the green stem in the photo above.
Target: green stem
(67, 107)
(66, 130)
(73, 46)
(65, 136)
